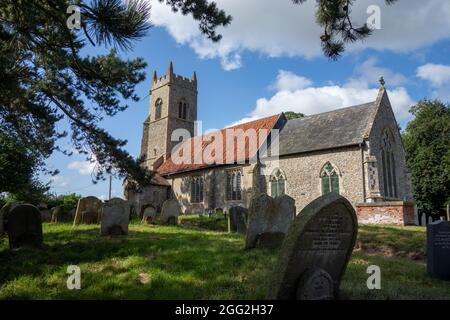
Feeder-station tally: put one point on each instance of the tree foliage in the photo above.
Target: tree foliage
(290, 115)
(427, 145)
(46, 78)
(338, 28)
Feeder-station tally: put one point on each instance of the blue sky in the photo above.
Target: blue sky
(270, 62)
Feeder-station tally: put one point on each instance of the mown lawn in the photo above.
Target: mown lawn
(192, 262)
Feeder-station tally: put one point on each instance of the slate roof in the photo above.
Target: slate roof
(198, 144)
(337, 128)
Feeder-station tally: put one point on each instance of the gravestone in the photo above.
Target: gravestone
(269, 215)
(3, 211)
(238, 219)
(170, 212)
(438, 250)
(423, 220)
(316, 251)
(115, 218)
(89, 210)
(24, 226)
(149, 215)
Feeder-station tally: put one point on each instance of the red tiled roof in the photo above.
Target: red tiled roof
(198, 146)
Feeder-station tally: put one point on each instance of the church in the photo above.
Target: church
(356, 152)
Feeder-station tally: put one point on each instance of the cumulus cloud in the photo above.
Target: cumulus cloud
(59, 181)
(284, 29)
(301, 95)
(83, 167)
(438, 76)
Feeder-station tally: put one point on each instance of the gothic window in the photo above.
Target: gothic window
(197, 189)
(388, 165)
(277, 183)
(330, 179)
(158, 107)
(182, 110)
(233, 187)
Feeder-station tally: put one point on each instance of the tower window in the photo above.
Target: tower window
(234, 185)
(182, 110)
(330, 179)
(158, 107)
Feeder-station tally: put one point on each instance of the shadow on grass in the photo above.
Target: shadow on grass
(182, 263)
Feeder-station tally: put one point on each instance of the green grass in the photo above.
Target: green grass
(188, 262)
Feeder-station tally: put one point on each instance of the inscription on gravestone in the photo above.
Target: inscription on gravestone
(438, 250)
(316, 251)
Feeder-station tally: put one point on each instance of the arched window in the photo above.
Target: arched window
(330, 179)
(277, 183)
(388, 165)
(182, 110)
(233, 187)
(158, 107)
(197, 189)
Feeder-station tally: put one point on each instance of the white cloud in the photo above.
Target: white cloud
(280, 28)
(287, 80)
(368, 73)
(303, 96)
(59, 181)
(437, 74)
(83, 167)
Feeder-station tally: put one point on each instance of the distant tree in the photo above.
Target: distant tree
(338, 28)
(290, 115)
(67, 201)
(427, 145)
(19, 167)
(45, 78)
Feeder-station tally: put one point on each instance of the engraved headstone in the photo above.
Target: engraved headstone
(24, 226)
(438, 250)
(316, 251)
(89, 210)
(170, 212)
(149, 215)
(271, 216)
(238, 219)
(116, 217)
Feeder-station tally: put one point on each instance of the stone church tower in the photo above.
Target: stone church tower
(173, 105)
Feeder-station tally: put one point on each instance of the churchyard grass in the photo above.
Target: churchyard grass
(188, 262)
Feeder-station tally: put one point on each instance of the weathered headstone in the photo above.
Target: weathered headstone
(24, 226)
(238, 219)
(115, 218)
(269, 219)
(5, 209)
(316, 251)
(149, 215)
(89, 210)
(170, 212)
(423, 220)
(438, 250)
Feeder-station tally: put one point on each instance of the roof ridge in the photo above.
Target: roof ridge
(335, 110)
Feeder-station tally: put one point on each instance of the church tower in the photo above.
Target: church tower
(173, 105)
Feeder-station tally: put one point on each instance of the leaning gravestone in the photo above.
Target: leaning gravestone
(438, 250)
(316, 251)
(149, 215)
(115, 218)
(238, 219)
(170, 212)
(89, 210)
(269, 220)
(24, 226)
(3, 211)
